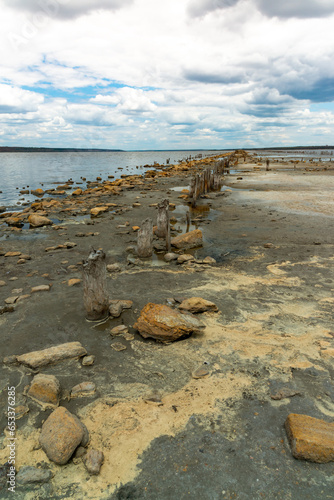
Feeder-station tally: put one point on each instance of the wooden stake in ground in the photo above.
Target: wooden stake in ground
(96, 300)
(145, 239)
(163, 219)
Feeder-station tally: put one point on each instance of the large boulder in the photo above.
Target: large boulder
(61, 434)
(197, 305)
(310, 438)
(192, 239)
(166, 324)
(39, 220)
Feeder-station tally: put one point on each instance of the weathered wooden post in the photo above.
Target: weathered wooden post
(163, 219)
(145, 239)
(267, 164)
(188, 221)
(96, 300)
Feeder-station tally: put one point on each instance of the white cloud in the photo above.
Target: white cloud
(65, 9)
(17, 100)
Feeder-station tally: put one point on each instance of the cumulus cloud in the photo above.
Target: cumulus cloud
(280, 9)
(17, 100)
(65, 9)
(127, 99)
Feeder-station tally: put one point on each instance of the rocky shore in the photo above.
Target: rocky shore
(212, 377)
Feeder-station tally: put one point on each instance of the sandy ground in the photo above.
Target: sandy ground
(219, 437)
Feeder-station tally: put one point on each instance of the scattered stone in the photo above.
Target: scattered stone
(113, 268)
(117, 346)
(166, 324)
(39, 221)
(197, 305)
(14, 278)
(11, 300)
(170, 256)
(40, 288)
(70, 244)
(209, 260)
(128, 336)
(191, 239)
(23, 297)
(77, 192)
(61, 434)
(95, 212)
(118, 306)
(268, 245)
(154, 399)
(88, 360)
(12, 254)
(185, 258)
(21, 261)
(200, 372)
(45, 390)
(310, 438)
(118, 330)
(37, 192)
(93, 461)
(135, 228)
(284, 393)
(21, 411)
(3, 283)
(33, 475)
(82, 390)
(5, 309)
(52, 355)
(74, 281)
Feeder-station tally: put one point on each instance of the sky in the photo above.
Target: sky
(166, 74)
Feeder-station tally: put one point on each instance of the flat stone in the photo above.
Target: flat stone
(45, 390)
(95, 212)
(310, 438)
(117, 330)
(52, 355)
(284, 393)
(70, 244)
(166, 324)
(93, 461)
(191, 239)
(12, 254)
(170, 256)
(83, 389)
(113, 268)
(21, 411)
(39, 221)
(3, 283)
(209, 260)
(61, 434)
(11, 300)
(117, 346)
(185, 258)
(88, 360)
(40, 288)
(33, 475)
(200, 372)
(74, 281)
(197, 305)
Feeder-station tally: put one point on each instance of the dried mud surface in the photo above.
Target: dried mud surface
(218, 437)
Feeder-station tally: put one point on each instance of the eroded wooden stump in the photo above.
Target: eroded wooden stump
(145, 239)
(96, 299)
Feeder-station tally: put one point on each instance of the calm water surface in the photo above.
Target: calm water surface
(46, 170)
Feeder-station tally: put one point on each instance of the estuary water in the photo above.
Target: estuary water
(20, 171)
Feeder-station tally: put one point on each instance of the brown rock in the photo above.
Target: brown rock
(113, 268)
(11, 300)
(197, 305)
(170, 256)
(186, 257)
(14, 222)
(37, 192)
(88, 360)
(12, 254)
(95, 212)
(74, 281)
(61, 434)
(310, 438)
(209, 260)
(93, 461)
(40, 288)
(2, 283)
(118, 330)
(77, 192)
(166, 324)
(83, 389)
(192, 239)
(52, 355)
(45, 389)
(39, 221)
(118, 306)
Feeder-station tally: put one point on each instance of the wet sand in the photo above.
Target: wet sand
(218, 437)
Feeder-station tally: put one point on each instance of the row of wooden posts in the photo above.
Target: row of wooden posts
(96, 298)
(208, 180)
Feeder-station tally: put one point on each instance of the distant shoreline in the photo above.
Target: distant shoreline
(13, 149)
